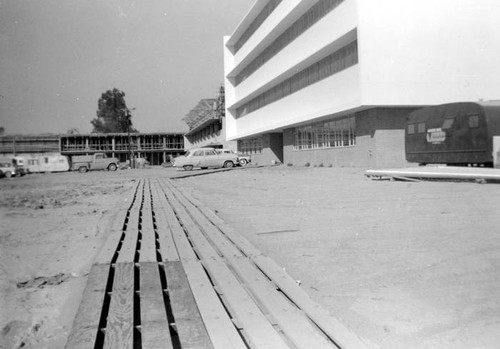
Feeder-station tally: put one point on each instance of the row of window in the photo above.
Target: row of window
(420, 127)
(122, 146)
(327, 134)
(45, 160)
(313, 15)
(341, 59)
(211, 130)
(261, 17)
(250, 146)
(15, 144)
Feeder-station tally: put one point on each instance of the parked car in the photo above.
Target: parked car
(243, 160)
(7, 170)
(97, 161)
(205, 158)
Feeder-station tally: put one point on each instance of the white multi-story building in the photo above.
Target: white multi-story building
(331, 82)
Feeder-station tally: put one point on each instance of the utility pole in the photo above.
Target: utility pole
(130, 151)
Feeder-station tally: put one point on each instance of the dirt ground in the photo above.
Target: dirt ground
(402, 264)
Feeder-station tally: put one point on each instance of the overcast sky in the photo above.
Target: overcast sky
(58, 56)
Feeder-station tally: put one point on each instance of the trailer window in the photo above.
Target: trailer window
(411, 129)
(421, 127)
(473, 121)
(447, 123)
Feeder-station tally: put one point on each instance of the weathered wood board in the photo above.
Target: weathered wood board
(120, 321)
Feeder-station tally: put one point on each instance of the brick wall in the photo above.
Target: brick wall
(272, 150)
(379, 143)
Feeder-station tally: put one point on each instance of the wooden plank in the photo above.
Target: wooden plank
(259, 331)
(167, 246)
(120, 321)
(154, 336)
(148, 238)
(220, 328)
(109, 248)
(86, 324)
(151, 293)
(184, 249)
(293, 322)
(83, 338)
(190, 328)
(343, 336)
(243, 244)
(128, 249)
(154, 323)
(448, 172)
(330, 325)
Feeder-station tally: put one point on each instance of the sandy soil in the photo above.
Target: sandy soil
(52, 227)
(404, 265)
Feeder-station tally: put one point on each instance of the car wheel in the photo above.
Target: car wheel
(8, 174)
(243, 162)
(188, 167)
(228, 164)
(112, 167)
(82, 169)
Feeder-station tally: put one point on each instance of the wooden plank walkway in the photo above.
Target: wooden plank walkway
(437, 172)
(173, 275)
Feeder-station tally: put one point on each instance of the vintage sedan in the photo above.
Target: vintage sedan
(243, 160)
(205, 158)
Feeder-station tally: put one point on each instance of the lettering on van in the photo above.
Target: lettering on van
(436, 135)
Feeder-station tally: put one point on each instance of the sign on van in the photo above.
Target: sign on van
(436, 135)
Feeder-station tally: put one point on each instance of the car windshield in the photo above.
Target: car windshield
(187, 153)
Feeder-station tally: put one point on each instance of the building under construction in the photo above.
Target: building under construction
(156, 148)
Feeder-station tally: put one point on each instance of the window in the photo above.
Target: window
(341, 59)
(447, 123)
(473, 121)
(261, 17)
(198, 153)
(308, 19)
(421, 127)
(250, 146)
(326, 134)
(411, 129)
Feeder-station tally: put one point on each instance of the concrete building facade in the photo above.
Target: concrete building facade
(331, 82)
